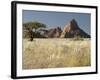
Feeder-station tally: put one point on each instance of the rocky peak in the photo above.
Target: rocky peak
(72, 29)
(72, 25)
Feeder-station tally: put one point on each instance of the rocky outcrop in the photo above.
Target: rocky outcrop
(72, 29)
(54, 33)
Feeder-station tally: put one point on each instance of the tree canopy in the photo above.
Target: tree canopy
(29, 26)
(33, 25)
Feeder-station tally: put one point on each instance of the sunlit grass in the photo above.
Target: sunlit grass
(52, 53)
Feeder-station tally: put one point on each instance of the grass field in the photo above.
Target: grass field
(53, 53)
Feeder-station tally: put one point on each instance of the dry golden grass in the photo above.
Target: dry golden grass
(53, 53)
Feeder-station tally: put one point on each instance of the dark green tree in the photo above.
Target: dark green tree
(30, 26)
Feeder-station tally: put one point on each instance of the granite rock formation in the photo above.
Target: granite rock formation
(72, 29)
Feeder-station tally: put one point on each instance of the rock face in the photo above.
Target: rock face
(72, 29)
(53, 33)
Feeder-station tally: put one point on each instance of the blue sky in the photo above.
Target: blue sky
(54, 19)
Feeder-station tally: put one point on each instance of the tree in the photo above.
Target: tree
(34, 25)
(30, 26)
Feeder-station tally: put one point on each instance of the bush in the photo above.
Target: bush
(78, 38)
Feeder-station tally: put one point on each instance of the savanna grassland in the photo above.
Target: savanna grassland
(54, 53)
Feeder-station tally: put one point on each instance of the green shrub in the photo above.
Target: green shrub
(78, 38)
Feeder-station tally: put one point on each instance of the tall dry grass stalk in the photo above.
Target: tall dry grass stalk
(53, 53)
